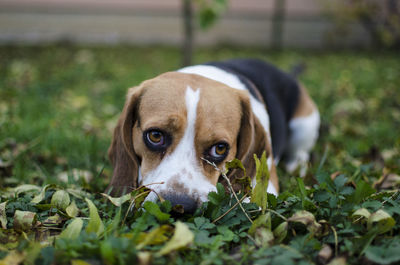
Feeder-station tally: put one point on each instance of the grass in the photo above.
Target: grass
(58, 106)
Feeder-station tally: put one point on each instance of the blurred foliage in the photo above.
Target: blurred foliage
(208, 11)
(59, 104)
(380, 19)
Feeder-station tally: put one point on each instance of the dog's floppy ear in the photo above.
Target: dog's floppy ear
(252, 139)
(121, 152)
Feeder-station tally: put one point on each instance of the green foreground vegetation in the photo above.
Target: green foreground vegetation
(59, 104)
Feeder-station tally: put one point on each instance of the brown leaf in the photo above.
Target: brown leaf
(54, 220)
(13, 258)
(387, 181)
(335, 174)
(24, 220)
(144, 257)
(338, 261)
(3, 216)
(325, 254)
(307, 219)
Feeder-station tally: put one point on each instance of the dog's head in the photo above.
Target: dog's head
(170, 125)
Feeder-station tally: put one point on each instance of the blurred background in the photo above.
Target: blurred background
(311, 24)
(65, 67)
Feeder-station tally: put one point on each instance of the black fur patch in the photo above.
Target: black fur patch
(279, 91)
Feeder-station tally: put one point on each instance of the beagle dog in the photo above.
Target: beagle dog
(173, 125)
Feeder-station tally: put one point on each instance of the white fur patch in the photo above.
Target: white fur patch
(270, 189)
(303, 135)
(233, 81)
(181, 168)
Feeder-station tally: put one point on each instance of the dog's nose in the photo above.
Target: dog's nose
(189, 204)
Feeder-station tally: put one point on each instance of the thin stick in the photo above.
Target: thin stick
(233, 207)
(272, 211)
(132, 203)
(230, 187)
(336, 240)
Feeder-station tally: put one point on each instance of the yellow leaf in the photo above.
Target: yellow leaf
(181, 238)
(361, 213)
(119, 200)
(381, 221)
(73, 229)
(72, 210)
(95, 224)
(79, 262)
(154, 237)
(13, 258)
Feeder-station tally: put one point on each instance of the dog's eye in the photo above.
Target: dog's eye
(218, 152)
(155, 140)
(155, 137)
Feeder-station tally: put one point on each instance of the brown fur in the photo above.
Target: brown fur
(121, 153)
(306, 105)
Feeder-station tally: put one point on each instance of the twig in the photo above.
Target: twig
(336, 240)
(272, 211)
(252, 239)
(230, 187)
(391, 197)
(233, 207)
(132, 202)
(324, 156)
(278, 214)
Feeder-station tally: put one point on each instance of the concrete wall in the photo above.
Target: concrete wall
(246, 22)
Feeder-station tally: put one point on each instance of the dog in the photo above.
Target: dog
(175, 128)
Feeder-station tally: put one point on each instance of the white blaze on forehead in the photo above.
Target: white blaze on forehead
(182, 167)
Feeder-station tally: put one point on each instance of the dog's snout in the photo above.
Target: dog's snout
(189, 204)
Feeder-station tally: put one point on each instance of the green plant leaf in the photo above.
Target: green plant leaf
(95, 224)
(72, 210)
(119, 200)
(60, 200)
(38, 198)
(181, 238)
(243, 182)
(25, 188)
(263, 220)
(361, 213)
(107, 253)
(234, 164)
(73, 229)
(381, 221)
(280, 232)
(384, 254)
(363, 190)
(154, 210)
(115, 223)
(259, 194)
